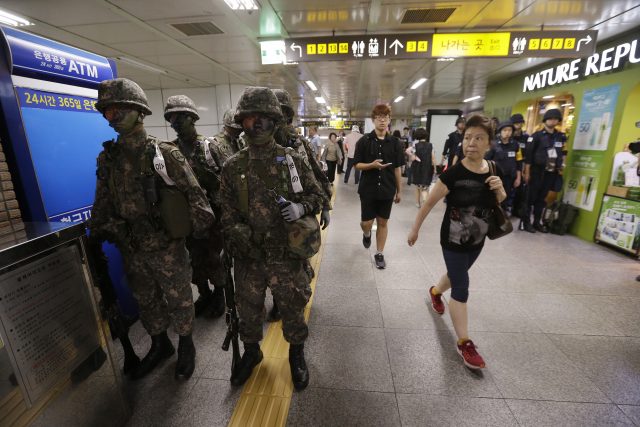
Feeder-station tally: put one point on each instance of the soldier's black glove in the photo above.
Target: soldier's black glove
(325, 218)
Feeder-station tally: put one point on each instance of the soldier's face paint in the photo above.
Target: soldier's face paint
(182, 123)
(259, 128)
(122, 120)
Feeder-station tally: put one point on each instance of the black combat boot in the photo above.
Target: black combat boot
(274, 314)
(299, 371)
(204, 299)
(161, 348)
(216, 303)
(250, 359)
(186, 358)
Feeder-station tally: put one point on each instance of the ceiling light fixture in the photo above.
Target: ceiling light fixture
(418, 83)
(548, 97)
(311, 85)
(398, 99)
(473, 98)
(242, 4)
(141, 65)
(566, 105)
(445, 59)
(320, 100)
(13, 20)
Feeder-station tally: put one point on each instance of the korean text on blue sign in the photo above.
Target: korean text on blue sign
(31, 98)
(78, 215)
(38, 57)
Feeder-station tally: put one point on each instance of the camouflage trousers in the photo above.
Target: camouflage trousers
(160, 282)
(206, 262)
(289, 283)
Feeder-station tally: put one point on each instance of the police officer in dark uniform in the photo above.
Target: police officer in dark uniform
(453, 141)
(544, 160)
(505, 151)
(521, 137)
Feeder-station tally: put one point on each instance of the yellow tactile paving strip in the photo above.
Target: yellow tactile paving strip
(266, 396)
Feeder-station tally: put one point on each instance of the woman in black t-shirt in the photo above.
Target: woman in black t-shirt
(471, 193)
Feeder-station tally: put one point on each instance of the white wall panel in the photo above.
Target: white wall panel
(158, 132)
(156, 102)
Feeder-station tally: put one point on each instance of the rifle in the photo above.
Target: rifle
(109, 309)
(231, 315)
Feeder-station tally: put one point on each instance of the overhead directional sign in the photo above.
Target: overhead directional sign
(547, 44)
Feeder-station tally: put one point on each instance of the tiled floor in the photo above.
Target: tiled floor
(557, 320)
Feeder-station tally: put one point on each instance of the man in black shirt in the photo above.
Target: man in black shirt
(453, 142)
(380, 157)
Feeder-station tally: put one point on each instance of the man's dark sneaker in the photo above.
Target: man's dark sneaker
(161, 348)
(299, 371)
(366, 241)
(541, 228)
(202, 303)
(216, 303)
(436, 301)
(529, 228)
(380, 264)
(186, 358)
(250, 359)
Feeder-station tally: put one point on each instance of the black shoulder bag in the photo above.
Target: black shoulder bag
(499, 224)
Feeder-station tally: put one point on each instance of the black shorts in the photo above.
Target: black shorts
(371, 208)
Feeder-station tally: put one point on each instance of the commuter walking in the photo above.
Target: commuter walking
(453, 141)
(316, 144)
(471, 192)
(423, 166)
(332, 155)
(351, 141)
(340, 167)
(380, 157)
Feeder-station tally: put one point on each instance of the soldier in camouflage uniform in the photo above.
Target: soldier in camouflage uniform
(228, 142)
(139, 178)
(287, 136)
(206, 261)
(266, 189)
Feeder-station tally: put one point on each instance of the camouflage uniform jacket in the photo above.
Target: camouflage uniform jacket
(303, 148)
(205, 163)
(260, 233)
(121, 212)
(225, 147)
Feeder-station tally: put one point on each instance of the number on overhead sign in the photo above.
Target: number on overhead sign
(411, 46)
(570, 43)
(534, 44)
(423, 45)
(343, 48)
(311, 49)
(557, 43)
(322, 49)
(546, 44)
(333, 48)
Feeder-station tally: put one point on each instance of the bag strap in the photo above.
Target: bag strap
(492, 172)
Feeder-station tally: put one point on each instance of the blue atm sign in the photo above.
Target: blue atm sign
(33, 56)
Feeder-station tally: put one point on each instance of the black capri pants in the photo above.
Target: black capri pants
(458, 265)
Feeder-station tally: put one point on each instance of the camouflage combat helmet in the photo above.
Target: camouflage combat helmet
(122, 92)
(257, 99)
(285, 100)
(180, 104)
(227, 120)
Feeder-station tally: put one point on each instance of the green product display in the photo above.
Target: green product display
(619, 224)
